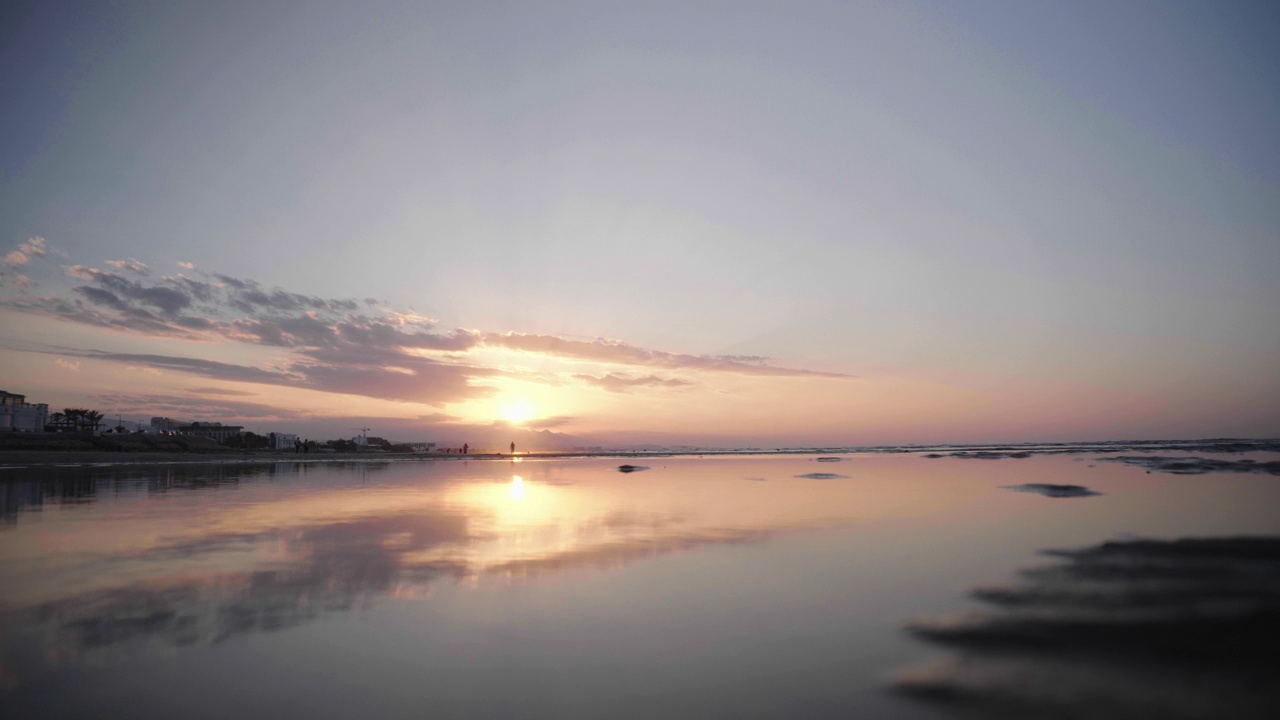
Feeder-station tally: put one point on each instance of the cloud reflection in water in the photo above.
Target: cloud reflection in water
(208, 566)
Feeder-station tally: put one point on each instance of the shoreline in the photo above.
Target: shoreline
(12, 459)
(23, 459)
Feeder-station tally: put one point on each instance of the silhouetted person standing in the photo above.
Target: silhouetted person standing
(465, 448)
(513, 447)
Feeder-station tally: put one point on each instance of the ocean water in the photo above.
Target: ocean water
(736, 586)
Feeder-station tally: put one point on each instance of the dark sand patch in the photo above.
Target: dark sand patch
(1140, 629)
(631, 468)
(829, 459)
(1196, 465)
(997, 452)
(992, 454)
(821, 476)
(1054, 491)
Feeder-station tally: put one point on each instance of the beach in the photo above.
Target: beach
(734, 585)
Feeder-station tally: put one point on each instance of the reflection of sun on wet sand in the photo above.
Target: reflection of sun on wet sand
(1181, 629)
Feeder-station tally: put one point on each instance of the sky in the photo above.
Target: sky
(758, 224)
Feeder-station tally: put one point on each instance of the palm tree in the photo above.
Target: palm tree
(82, 418)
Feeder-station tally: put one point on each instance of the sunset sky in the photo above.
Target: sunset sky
(705, 223)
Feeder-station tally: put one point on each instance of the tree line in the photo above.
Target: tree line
(82, 419)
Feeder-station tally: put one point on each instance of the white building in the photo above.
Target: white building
(282, 441)
(18, 414)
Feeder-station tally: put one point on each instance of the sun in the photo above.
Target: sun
(517, 411)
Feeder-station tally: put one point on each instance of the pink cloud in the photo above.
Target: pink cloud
(621, 383)
(613, 351)
(32, 248)
(337, 345)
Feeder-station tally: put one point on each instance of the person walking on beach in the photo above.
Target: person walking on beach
(513, 447)
(465, 447)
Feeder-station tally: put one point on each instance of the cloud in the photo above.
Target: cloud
(218, 391)
(19, 257)
(426, 381)
(194, 366)
(72, 365)
(438, 418)
(337, 345)
(249, 296)
(186, 265)
(193, 405)
(130, 265)
(419, 380)
(106, 298)
(622, 383)
(613, 351)
(145, 369)
(33, 248)
(550, 422)
(131, 319)
(167, 299)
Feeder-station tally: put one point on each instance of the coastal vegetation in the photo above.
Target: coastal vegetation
(75, 419)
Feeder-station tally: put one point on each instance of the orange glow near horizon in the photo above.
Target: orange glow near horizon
(567, 397)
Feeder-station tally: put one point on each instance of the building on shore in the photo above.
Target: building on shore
(282, 441)
(423, 447)
(18, 414)
(215, 431)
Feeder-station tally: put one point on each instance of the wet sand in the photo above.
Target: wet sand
(410, 583)
(1135, 629)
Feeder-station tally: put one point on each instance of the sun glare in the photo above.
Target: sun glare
(518, 411)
